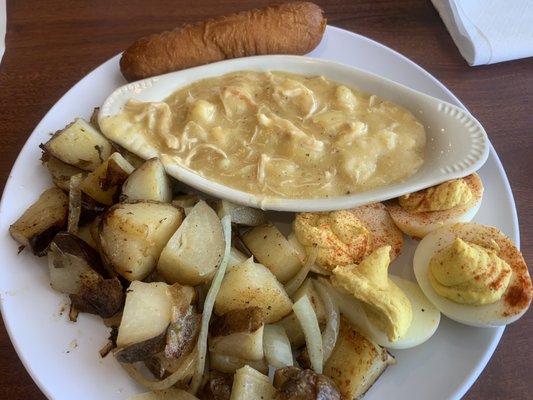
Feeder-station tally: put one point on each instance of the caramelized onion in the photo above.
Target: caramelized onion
(331, 331)
(173, 393)
(296, 281)
(304, 311)
(201, 345)
(183, 372)
(278, 352)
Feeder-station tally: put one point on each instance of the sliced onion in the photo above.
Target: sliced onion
(298, 247)
(184, 371)
(302, 254)
(277, 347)
(296, 281)
(304, 311)
(74, 203)
(167, 394)
(209, 304)
(333, 321)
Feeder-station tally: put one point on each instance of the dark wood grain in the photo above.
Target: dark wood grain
(51, 45)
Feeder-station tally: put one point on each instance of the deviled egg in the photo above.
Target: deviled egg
(345, 237)
(473, 274)
(390, 310)
(419, 213)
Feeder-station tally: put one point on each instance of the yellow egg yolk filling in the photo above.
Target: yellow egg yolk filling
(341, 238)
(385, 304)
(468, 273)
(442, 197)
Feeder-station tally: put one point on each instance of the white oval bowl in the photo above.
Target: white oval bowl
(456, 144)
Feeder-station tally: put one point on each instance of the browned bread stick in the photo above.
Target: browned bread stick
(290, 28)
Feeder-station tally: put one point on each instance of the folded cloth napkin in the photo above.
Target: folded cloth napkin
(2, 28)
(489, 31)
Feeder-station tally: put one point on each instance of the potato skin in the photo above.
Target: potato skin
(103, 297)
(39, 224)
(290, 28)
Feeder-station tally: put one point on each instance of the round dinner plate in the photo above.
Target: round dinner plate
(62, 357)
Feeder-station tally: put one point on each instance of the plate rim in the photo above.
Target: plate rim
(37, 378)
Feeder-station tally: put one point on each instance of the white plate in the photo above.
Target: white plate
(457, 144)
(62, 357)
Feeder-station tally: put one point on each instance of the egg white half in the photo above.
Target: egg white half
(419, 224)
(426, 317)
(489, 315)
(379, 223)
(384, 231)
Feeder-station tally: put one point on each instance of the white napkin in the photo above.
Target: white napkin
(489, 31)
(2, 28)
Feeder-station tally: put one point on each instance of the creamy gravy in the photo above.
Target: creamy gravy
(278, 134)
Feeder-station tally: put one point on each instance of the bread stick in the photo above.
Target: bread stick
(290, 28)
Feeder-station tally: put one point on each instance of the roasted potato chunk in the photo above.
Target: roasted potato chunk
(132, 235)
(79, 144)
(69, 257)
(230, 364)
(147, 313)
(238, 333)
(104, 183)
(149, 181)
(41, 221)
(356, 362)
(157, 317)
(96, 295)
(76, 269)
(249, 383)
(193, 253)
(273, 250)
(250, 284)
(185, 323)
(60, 172)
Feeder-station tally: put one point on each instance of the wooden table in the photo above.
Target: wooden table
(51, 45)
